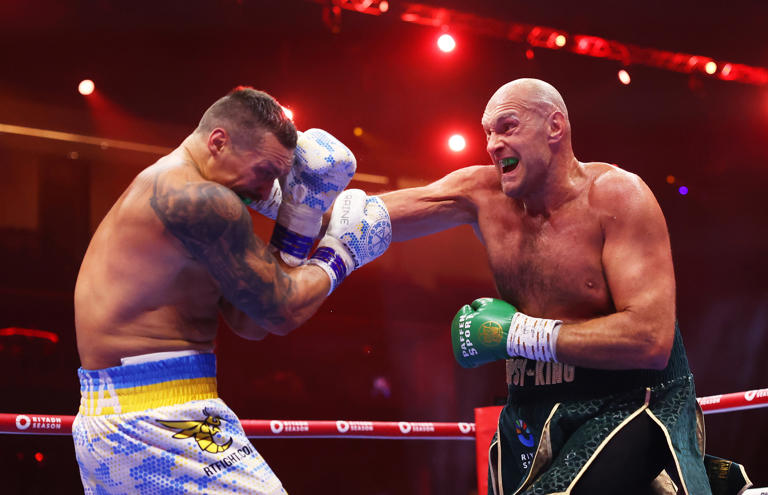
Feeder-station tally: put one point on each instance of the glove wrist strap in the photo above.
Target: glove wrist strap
(332, 264)
(533, 338)
(295, 231)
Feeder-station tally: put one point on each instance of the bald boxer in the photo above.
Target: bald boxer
(601, 398)
(176, 251)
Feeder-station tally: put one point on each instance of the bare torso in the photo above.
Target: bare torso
(546, 266)
(139, 291)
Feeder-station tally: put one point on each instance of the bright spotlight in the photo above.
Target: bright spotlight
(710, 67)
(457, 143)
(288, 113)
(446, 43)
(86, 87)
(560, 40)
(624, 77)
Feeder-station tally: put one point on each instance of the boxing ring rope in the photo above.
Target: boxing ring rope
(48, 424)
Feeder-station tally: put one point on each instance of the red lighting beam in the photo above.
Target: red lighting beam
(29, 332)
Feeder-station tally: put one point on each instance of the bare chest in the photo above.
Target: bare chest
(550, 268)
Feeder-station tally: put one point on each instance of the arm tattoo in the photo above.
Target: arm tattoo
(216, 229)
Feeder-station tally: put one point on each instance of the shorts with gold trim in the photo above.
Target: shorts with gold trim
(159, 427)
(549, 432)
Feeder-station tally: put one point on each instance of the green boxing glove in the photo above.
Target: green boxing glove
(491, 329)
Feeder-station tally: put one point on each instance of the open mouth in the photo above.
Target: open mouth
(508, 164)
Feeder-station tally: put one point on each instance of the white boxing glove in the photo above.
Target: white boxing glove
(267, 207)
(359, 232)
(322, 168)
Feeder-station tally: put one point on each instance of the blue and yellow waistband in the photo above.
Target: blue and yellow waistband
(138, 387)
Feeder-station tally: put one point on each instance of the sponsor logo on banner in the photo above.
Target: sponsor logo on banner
(342, 426)
(406, 427)
(715, 399)
(278, 426)
(750, 395)
(354, 426)
(23, 422)
(465, 428)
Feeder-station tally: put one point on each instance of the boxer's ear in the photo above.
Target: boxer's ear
(555, 126)
(217, 139)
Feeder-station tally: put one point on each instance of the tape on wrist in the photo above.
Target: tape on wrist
(533, 338)
(329, 260)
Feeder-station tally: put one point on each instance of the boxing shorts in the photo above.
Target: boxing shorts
(158, 426)
(558, 418)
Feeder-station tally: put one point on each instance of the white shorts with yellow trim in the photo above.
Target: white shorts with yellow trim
(159, 427)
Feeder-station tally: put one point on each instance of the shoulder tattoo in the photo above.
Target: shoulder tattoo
(216, 229)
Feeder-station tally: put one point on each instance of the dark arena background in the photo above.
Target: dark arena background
(692, 122)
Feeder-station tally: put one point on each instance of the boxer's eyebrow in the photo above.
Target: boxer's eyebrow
(493, 122)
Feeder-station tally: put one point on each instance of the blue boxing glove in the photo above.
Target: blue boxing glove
(322, 168)
(358, 232)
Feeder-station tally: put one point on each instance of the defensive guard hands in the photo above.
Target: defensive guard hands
(322, 168)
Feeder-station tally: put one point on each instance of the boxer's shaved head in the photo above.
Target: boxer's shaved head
(246, 114)
(534, 94)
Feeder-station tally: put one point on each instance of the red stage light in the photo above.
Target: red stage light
(710, 67)
(624, 77)
(288, 113)
(560, 40)
(86, 87)
(39, 457)
(457, 143)
(29, 332)
(384, 6)
(446, 43)
(529, 54)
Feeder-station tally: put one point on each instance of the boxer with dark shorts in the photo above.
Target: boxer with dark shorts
(601, 399)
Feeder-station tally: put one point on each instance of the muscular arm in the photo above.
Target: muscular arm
(420, 211)
(638, 268)
(215, 228)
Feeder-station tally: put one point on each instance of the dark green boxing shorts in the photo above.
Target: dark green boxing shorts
(559, 419)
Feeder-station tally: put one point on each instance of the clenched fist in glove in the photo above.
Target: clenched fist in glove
(491, 329)
(359, 231)
(322, 168)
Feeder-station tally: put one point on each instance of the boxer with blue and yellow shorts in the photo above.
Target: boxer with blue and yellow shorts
(159, 427)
